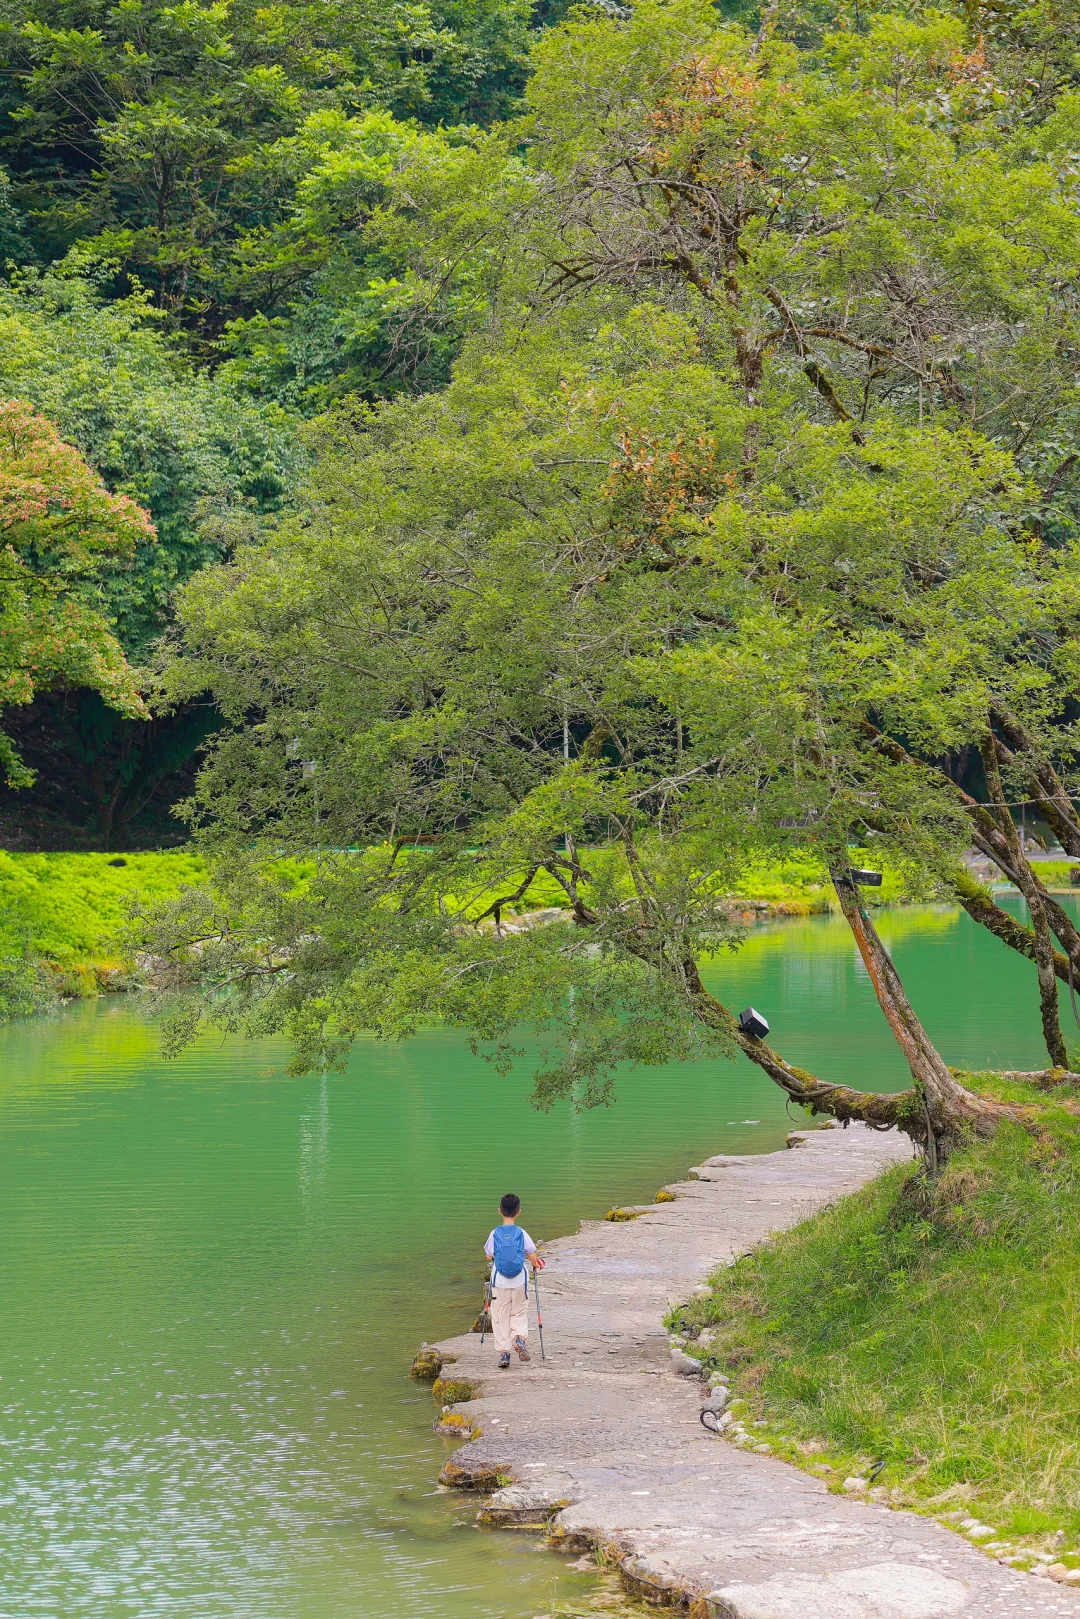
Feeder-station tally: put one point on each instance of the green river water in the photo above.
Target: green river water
(214, 1278)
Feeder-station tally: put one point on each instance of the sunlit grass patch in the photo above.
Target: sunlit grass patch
(70, 908)
(62, 918)
(800, 884)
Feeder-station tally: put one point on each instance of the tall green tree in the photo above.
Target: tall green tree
(500, 668)
(918, 258)
(170, 142)
(359, 287)
(198, 453)
(748, 510)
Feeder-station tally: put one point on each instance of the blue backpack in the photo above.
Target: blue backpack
(509, 1250)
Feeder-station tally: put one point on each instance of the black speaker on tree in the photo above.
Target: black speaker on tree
(752, 1023)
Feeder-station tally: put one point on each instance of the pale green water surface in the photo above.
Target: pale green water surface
(214, 1278)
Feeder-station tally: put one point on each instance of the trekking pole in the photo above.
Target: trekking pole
(539, 1317)
(485, 1313)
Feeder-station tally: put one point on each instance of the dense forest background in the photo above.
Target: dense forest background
(196, 260)
(221, 221)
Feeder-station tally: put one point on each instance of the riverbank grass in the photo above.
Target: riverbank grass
(920, 1342)
(62, 918)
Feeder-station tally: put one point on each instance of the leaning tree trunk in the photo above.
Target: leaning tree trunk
(898, 1110)
(937, 1113)
(950, 1110)
(1044, 947)
(1023, 876)
(1048, 790)
(980, 906)
(934, 1126)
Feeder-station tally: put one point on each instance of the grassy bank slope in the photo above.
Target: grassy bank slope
(61, 917)
(934, 1328)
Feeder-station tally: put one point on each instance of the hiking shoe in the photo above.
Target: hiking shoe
(522, 1352)
(504, 1360)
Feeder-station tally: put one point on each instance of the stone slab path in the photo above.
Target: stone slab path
(607, 1431)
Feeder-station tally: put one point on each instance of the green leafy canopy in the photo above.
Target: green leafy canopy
(754, 467)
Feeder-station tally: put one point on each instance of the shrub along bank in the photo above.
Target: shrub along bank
(929, 1330)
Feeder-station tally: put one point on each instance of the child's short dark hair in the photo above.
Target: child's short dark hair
(509, 1204)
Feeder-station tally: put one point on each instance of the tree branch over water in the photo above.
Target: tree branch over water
(697, 618)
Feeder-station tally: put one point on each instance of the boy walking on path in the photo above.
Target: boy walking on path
(509, 1248)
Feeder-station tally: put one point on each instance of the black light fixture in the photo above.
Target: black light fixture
(865, 879)
(752, 1023)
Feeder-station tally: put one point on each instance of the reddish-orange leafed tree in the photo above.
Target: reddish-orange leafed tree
(58, 526)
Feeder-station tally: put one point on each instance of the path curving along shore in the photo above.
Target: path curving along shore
(601, 1444)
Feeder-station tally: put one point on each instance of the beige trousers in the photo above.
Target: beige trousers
(509, 1316)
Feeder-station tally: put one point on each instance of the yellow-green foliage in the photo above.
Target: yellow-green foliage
(69, 909)
(453, 1390)
(934, 1326)
(543, 892)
